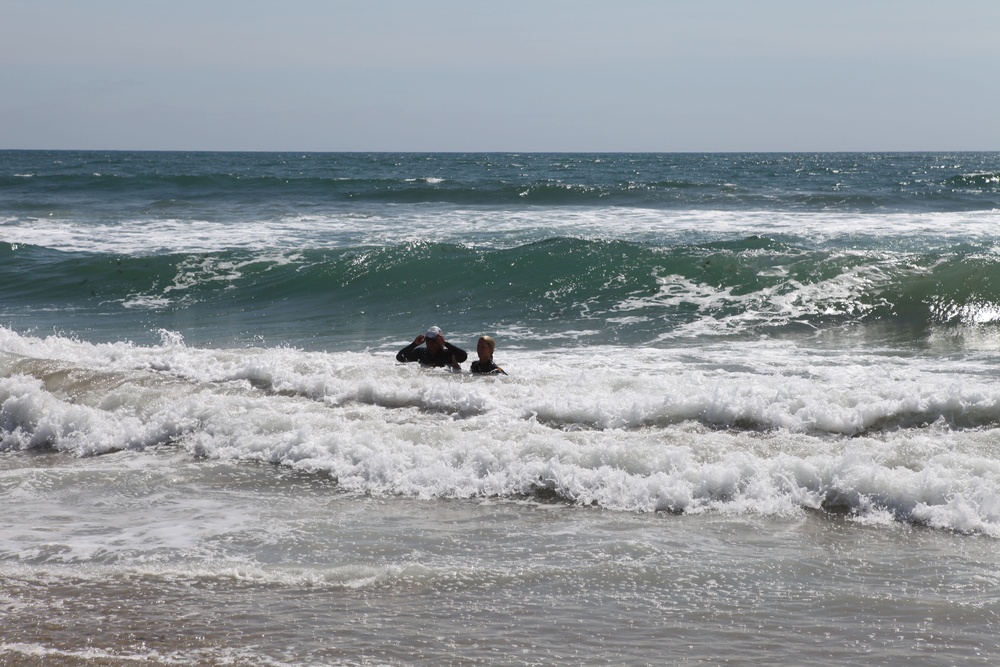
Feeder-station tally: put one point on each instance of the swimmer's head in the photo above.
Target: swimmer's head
(485, 348)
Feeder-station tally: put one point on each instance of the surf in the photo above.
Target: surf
(721, 432)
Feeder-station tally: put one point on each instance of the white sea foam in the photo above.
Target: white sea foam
(764, 428)
(787, 302)
(484, 227)
(44, 654)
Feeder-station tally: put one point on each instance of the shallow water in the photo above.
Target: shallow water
(158, 558)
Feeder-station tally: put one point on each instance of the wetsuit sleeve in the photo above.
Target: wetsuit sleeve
(486, 368)
(459, 354)
(408, 353)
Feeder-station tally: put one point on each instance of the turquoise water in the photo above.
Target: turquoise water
(347, 251)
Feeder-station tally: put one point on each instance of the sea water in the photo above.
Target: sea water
(751, 412)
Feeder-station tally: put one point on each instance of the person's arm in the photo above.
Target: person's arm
(457, 354)
(409, 353)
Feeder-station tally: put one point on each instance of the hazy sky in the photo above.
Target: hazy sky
(518, 75)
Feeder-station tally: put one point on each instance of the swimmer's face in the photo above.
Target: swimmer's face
(484, 350)
(434, 344)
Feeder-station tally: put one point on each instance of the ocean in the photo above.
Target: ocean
(751, 412)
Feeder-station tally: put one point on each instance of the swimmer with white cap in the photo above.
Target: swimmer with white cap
(435, 351)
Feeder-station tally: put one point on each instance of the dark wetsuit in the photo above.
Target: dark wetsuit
(486, 368)
(412, 352)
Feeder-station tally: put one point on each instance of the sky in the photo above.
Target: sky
(510, 75)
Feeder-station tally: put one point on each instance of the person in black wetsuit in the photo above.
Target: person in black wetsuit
(484, 365)
(436, 352)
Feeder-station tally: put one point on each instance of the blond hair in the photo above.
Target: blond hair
(489, 341)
